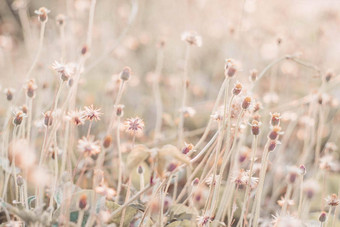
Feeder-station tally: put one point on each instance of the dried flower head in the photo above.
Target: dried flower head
(332, 200)
(42, 14)
(246, 102)
(275, 119)
(237, 88)
(230, 68)
(64, 70)
(134, 126)
(18, 117)
(275, 133)
(92, 114)
(192, 38)
(9, 92)
(125, 74)
(323, 216)
(60, 20)
(255, 127)
(119, 110)
(88, 146)
(82, 202)
(30, 88)
(272, 145)
(77, 117)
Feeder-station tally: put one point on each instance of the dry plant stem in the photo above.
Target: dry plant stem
(118, 98)
(133, 198)
(300, 196)
(63, 43)
(90, 26)
(80, 218)
(319, 135)
(232, 208)
(157, 94)
(207, 129)
(246, 200)
(41, 41)
(24, 21)
(287, 197)
(126, 199)
(120, 160)
(328, 215)
(184, 97)
(29, 122)
(260, 186)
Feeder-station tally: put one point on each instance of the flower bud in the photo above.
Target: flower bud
(237, 88)
(125, 74)
(246, 102)
(322, 217)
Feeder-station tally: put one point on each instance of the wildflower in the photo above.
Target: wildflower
(272, 145)
(332, 200)
(187, 148)
(322, 217)
(274, 134)
(282, 201)
(60, 20)
(18, 117)
(65, 70)
(104, 190)
(92, 114)
(203, 220)
(125, 74)
(310, 188)
(330, 147)
(192, 38)
(107, 141)
(237, 88)
(246, 102)
(285, 221)
(9, 93)
(119, 110)
(134, 126)
(210, 181)
(88, 146)
(30, 88)
(255, 127)
(293, 172)
(253, 75)
(188, 111)
(230, 68)
(275, 119)
(239, 178)
(48, 118)
(327, 162)
(42, 14)
(82, 202)
(218, 115)
(77, 117)
(250, 180)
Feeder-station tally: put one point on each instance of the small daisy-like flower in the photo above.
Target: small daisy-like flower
(210, 180)
(239, 178)
(77, 117)
(332, 200)
(88, 146)
(92, 114)
(64, 70)
(188, 111)
(253, 180)
(282, 201)
(42, 14)
(134, 126)
(192, 38)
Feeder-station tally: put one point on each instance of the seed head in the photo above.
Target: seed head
(119, 110)
(107, 141)
(30, 88)
(237, 88)
(60, 20)
(272, 145)
(253, 75)
(134, 126)
(303, 170)
(42, 14)
(88, 146)
(82, 202)
(192, 38)
(48, 118)
(9, 93)
(18, 117)
(230, 68)
(77, 117)
(255, 127)
(84, 50)
(246, 102)
(332, 200)
(275, 119)
(125, 74)
(322, 217)
(274, 134)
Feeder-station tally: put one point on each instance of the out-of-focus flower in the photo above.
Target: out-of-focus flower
(188, 111)
(92, 114)
(282, 201)
(66, 71)
(332, 200)
(210, 180)
(42, 14)
(76, 117)
(134, 126)
(88, 146)
(192, 38)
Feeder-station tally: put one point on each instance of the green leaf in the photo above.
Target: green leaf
(129, 213)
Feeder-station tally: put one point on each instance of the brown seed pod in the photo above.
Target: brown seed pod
(125, 74)
(246, 102)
